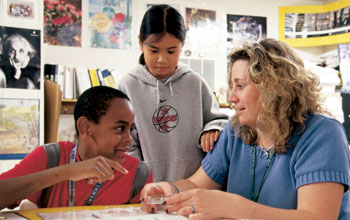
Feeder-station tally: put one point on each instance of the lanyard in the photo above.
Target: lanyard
(93, 194)
(252, 197)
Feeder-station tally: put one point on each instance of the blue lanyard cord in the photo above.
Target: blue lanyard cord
(93, 194)
(252, 197)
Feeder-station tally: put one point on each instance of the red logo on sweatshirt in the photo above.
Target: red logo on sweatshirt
(165, 119)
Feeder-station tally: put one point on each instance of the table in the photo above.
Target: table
(90, 212)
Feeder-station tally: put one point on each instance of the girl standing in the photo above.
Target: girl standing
(177, 116)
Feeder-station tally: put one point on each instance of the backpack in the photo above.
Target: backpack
(53, 159)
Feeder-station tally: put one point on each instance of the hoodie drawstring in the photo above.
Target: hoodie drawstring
(171, 89)
(158, 99)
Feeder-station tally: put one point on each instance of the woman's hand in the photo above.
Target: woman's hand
(98, 168)
(198, 204)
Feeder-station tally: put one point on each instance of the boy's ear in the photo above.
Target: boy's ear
(83, 125)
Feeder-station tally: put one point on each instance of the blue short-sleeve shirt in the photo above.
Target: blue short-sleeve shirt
(321, 154)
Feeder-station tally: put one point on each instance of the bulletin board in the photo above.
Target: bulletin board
(306, 26)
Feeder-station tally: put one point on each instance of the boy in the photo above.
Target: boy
(96, 171)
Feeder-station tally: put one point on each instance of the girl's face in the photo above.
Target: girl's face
(162, 56)
(244, 94)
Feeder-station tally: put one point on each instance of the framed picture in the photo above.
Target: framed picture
(19, 127)
(306, 26)
(20, 12)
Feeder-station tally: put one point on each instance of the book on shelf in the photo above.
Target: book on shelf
(74, 80)
(59, 76)
(82, 79)
(94, 77)
(116, 76)
(69, 79)
(108, 79)
(50, 72)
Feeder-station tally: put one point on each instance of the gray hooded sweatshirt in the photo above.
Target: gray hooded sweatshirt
(170, 117)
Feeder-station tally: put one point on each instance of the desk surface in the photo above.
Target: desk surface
(92, 212)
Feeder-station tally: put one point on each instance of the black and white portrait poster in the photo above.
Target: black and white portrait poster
(20, 58)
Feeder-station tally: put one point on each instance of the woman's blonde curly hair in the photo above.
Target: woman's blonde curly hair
(288, 93)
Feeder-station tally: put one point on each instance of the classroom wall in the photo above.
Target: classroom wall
(125, 60)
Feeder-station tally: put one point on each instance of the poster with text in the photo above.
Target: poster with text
(62, 22)
(201, 30)
(110, 24)
(305, 26)
(19, 127)
(244, 28)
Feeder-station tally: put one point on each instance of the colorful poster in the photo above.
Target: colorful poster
(62, 22)
(110, 24)
(201, 30)
(19, 127)
(243, 28)
(23, 12)
(20, 60)
(305, 26)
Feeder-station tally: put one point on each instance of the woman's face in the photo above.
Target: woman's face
(162, 56)
(244, 94)
(18, 51)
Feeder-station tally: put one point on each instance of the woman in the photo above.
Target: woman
(279, 158)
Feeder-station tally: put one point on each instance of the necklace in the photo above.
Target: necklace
(252, 197)
(267, 150)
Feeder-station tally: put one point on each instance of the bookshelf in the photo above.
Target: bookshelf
(67, 106)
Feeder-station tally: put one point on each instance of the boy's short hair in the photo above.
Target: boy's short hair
(95, 102)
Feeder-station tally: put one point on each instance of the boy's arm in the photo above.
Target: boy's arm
(18, 188)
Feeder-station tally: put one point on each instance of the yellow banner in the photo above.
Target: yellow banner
(315, 25)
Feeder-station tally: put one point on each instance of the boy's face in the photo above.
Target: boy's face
(111, 136)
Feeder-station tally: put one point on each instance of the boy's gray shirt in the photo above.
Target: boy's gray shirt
(170, 117)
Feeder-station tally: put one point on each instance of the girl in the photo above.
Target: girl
(176, 113)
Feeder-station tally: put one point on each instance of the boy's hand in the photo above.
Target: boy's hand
(208, 139)
(98, 168)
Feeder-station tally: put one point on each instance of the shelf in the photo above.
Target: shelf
(67, 106)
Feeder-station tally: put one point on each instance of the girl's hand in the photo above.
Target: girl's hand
(208, 139)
